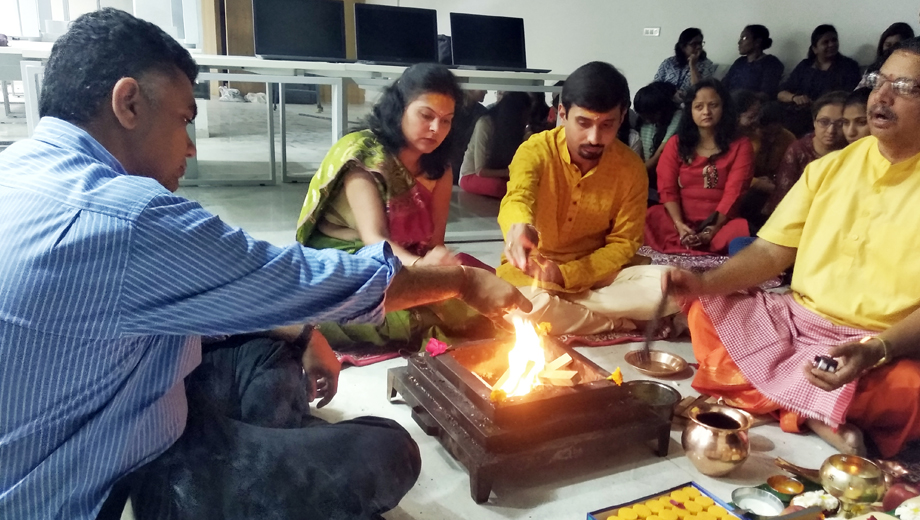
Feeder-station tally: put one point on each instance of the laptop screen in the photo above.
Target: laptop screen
(406, 35)
(299, 29)
(492, 41)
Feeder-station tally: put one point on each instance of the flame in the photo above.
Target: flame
(525, 360)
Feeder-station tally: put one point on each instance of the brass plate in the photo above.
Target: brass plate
(661, 364)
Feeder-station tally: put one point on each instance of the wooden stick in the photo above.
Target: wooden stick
(501, 381)
(558, 363)
(559, 377)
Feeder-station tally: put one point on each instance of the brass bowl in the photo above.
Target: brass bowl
(716, 438)
(853, 479)
(661, 364)
(786, 487)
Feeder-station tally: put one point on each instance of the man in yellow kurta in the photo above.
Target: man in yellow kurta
(574, 214)
(850, 227)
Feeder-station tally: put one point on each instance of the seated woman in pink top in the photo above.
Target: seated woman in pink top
(703, 171)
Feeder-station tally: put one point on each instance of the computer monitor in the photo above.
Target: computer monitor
(310, 30)
(489, 41)
(399, 35)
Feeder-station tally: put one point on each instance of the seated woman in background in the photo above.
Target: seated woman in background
(855, 115)
(539, 119)
(689, 64)
(827, 114)
(761, 123)
(495, 139)
(892, 36)
(754, 70)
(391, 182)
(703, 171)
(825, 70)
(659, 116)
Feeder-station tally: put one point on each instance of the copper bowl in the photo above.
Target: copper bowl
(661, 364)
(785, 487)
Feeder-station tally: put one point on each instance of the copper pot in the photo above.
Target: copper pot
(716, 438)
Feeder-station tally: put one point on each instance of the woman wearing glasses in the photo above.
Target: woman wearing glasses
(689, 65)
(827, 119)
(702, 172)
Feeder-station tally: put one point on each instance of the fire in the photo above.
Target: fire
(525, 361)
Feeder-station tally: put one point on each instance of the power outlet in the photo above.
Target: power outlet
(651, 31)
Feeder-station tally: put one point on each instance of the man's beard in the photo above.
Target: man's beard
(590, 153)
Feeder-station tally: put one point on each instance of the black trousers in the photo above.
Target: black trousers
(251, 449)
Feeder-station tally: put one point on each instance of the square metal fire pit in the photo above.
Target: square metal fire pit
(450, 399)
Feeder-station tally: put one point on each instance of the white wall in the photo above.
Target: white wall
(563, 34)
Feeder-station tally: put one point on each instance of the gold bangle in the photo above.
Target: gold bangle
(885, 346)
(415, 261)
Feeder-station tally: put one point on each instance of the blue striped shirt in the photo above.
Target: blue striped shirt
(107, 281)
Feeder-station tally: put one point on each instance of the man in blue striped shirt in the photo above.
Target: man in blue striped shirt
(108, 281)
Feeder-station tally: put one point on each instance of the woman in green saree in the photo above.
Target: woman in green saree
(392, 181)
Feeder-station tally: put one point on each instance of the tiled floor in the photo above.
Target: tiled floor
(442, 492)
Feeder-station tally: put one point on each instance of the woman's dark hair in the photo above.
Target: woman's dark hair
(859, 96)
(744, 99)
(657, 98)
(625, 128)
(509, 122)
(99, 49)
(596, 86)
(896, 29)
(685, 36)
(539, 111)
(689, 133)
(759, 32)
(816, 35)
(837, 97)
(385, 120)
(555, 101)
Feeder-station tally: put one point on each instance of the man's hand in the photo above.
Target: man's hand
(680, 282)
(541, 268)
(322, 369)
(439, 255)
(522, 239)
(490, 295)
(853, 359)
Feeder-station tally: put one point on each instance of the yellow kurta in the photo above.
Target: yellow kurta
(591, 224)
(855, 219)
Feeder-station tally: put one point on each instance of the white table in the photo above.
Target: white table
(281, 72)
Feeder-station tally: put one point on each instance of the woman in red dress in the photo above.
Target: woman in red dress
(703, 171)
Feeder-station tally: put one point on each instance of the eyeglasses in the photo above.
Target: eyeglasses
(824, 123)
(696, 44)
(902, 86)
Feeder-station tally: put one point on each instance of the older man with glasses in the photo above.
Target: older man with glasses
(840, 349)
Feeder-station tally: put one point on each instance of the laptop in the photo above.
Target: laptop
(389, 35)
(300, 30)
(493, 43)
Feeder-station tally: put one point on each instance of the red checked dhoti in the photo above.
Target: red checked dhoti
(752, 348)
